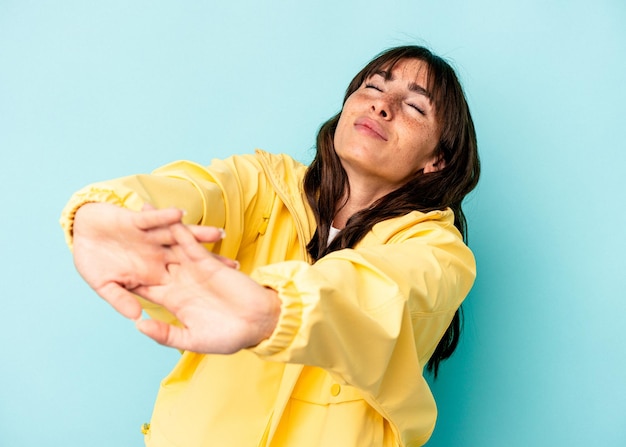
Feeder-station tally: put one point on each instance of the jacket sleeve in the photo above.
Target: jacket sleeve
(371, 316)
(220, 195)
(213, 195)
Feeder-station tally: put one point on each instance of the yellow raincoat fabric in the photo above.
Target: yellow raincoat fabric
(344, 366)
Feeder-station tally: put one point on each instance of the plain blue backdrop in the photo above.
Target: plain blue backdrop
(94, 90)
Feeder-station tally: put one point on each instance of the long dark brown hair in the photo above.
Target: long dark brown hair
(326, 181)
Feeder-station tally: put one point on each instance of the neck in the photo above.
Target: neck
(361, 196)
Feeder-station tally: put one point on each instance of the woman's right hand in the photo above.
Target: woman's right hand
(117, 250)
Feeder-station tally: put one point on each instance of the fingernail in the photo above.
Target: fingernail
(237, 265)
(222, 233)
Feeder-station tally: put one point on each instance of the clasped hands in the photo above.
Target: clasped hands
(152, 254)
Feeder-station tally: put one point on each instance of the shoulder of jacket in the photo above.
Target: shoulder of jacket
(415, 223)
(278, 162)
(285, 173)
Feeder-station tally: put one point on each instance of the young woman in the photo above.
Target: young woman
(307, 301)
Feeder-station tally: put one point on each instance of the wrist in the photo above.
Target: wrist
(271, 315)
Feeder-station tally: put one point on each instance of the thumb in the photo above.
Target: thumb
(121, 300)
(163, 333)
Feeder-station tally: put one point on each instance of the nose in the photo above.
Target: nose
(382, 106)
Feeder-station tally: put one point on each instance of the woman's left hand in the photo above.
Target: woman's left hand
(221, 309)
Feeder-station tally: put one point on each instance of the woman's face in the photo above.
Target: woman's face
(388, 128)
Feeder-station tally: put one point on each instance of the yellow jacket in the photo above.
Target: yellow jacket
(344, 365)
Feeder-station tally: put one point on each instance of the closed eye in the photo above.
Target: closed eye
(374, 87)
(416, 107)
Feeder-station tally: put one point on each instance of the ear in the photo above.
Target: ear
(434, 164)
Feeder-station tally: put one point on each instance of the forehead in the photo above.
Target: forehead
(410, 71)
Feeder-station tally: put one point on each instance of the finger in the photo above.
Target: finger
(206, 234)
(233, 264)
(156, 330)
(121, 300)
(163, 333)
(160, 236)
(156, 295)
(153, 218)
(163, 236)
(176, 254)
(189, 246)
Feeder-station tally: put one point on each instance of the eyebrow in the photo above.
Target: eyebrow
(388, 76)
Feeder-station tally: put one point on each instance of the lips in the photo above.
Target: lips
(371, 127)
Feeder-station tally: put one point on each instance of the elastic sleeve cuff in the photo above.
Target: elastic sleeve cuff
(89, 195)
(290, 319)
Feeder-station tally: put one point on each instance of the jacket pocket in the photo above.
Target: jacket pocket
(324, 412)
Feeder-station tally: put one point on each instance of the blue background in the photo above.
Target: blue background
(95, 90)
